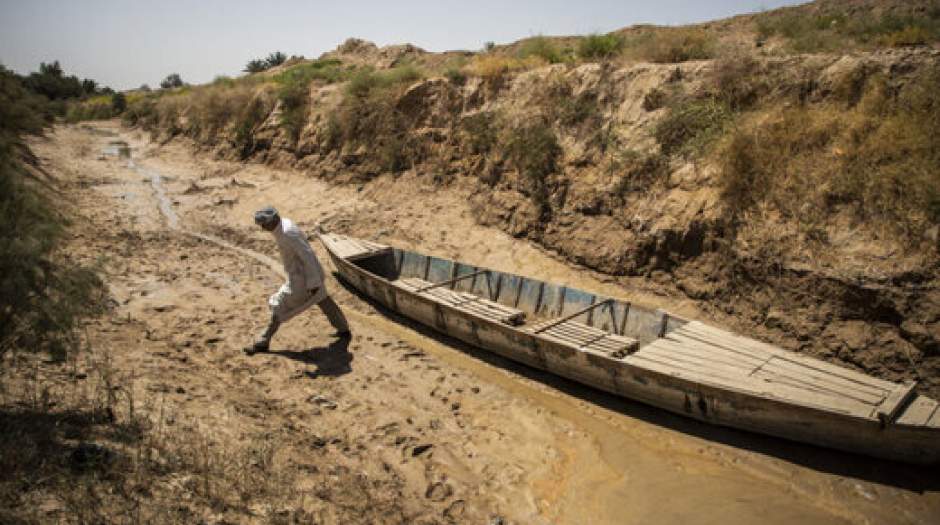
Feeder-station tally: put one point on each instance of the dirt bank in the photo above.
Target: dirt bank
(400, 425)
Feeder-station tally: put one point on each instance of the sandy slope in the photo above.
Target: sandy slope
(401, 425)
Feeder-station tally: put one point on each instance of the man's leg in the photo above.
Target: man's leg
(264, 340)
(332, 312)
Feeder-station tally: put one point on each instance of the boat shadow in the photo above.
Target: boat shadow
(917, 478)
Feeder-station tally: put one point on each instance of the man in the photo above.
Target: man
(304, 287)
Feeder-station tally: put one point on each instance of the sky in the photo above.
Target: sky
(126, 43)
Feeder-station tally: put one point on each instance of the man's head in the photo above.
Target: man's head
(267, 218)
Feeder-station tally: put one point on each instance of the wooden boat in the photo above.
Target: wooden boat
(646, 354)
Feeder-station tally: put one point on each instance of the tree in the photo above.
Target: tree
(172, 80)
(144, 87)
(118, 103)
(89, 86)
(275, 59)
(256, 66)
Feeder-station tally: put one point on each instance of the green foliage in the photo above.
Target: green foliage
(597, 46)
(275, 59)
(807, 32)
(43, 295)
(478, 132)
(118, 103)
(489, 46)
(541, 47)
(256, 65)
(456, 76)
(51, 82)
(328, 71)
(173, 80)
(532, 149)
(365, 81)
(671, 45)
(294, 99)
(691, 125)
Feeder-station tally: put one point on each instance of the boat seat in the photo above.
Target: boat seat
(583, 337)
(353, 249)
(466, 302)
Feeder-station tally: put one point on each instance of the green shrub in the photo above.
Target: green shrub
(294, 99)
(541, 47)
(328, 71)
(478, 132)
(173, 80)
(43, 295)
(671, 45)
(118, 103)
(691, 125)
(596, 46)
(532, 150)
(456, 76)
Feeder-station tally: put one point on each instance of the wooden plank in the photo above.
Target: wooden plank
(919, 412)
(888, 410)
(784, 366)
(669, 355)
(731, 341)
(669, 348)
(688, 372)
(817, 387)
(697, 343)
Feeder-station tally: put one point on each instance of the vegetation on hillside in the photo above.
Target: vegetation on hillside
(43, 294)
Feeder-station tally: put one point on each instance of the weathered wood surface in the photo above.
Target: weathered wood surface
(583, 337)
(466, 302)
(353, 249)
(726, 360)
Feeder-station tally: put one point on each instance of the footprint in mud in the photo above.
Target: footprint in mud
(438, 491)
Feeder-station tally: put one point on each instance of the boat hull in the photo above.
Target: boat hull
(722, 405)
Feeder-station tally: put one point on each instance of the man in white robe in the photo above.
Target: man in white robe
(305, 286)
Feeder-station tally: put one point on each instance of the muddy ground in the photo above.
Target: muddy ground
(399, 424)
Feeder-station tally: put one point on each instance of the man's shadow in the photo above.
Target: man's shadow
(331, 360)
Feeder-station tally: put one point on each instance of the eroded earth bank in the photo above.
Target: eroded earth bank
(399, 425)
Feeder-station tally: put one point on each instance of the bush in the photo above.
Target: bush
(43, 295)
(691, 125)
(275, 59)
(256, 65)
(368, 116)
(173, 80)
(541, 47)
(118, 103)
(456, 76)
(328, 71)
(671, 45)
(597, 46)
(532, 150)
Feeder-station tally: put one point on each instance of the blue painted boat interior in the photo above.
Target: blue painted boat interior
(539, 299)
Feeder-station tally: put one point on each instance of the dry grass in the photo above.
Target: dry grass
(876, 159)
(81, 444)
(670, 45)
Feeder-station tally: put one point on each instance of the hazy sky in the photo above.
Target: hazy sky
(124, 43)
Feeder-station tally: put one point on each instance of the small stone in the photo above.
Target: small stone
(420, 449)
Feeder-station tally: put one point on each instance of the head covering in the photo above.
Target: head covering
(266, 216)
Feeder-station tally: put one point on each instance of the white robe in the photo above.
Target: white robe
(303, 273)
